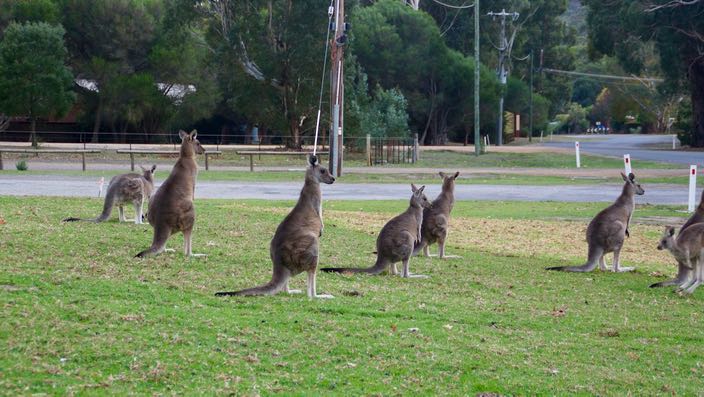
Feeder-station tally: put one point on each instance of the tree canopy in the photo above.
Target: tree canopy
(624, 29)
(145, 67)
(34, 79)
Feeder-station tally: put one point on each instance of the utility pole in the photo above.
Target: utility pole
(530, 101)
(477, 66)
(501, 71)
(337, 89)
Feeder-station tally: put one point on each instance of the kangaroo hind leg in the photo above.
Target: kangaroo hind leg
(187, 241)
(312, 287)
(138, 203)
(617, 268)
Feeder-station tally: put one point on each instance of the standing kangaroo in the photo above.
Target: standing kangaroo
(123, 189)
(609, 228)
(436, 219)
(171, 209)
(396, 239)
(682, 269)
(688, 249)
(294, 248)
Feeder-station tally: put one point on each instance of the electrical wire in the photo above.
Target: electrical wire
(331, 12)
(604, 76)
(463, 7)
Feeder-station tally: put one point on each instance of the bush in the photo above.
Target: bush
(21, 165)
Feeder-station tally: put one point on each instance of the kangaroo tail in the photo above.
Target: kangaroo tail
(595, 253)
(107, 205)
(161, 234)
(380, 265)
(682, 273)
(280, 276)
(76, 220)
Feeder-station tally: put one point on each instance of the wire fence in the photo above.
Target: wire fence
(374, 151)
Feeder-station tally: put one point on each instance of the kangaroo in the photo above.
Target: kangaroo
(688, 249)
(436, 218)
(609, 228)
(123, 189)
(294, 248)
(682, 269)
(396, 239)
(171, 209)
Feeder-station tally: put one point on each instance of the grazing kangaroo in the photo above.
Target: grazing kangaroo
(171, 209)
(609, 228)
(123, 189)
(436, 218)
(688, 249)
(396, 239)
(682, 269)
(294, 248)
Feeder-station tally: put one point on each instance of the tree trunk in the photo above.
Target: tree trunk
(696, 79)
(33, 135)
(295, 132)
(123, 133)
(98, 119)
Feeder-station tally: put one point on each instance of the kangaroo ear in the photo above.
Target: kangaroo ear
(153, 168)
(193, 134)
(414, 188)
(670, 231)
(456, 174)
(143, 169)
(442, 174)
(312, 159)
(625, 178)
(182, 134)
(631, 177)
(421, 189)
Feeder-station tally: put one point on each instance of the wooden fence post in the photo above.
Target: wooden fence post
(369, 150)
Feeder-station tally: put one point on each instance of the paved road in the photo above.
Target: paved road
(38, 185)
(640, 147)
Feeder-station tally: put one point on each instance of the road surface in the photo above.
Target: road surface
(79, 186)
(640, 147)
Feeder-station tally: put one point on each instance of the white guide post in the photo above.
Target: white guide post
(627, 163)
(692, 187)
(576, 153)
(101, 182)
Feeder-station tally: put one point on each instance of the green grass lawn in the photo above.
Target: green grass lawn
(80, 315)
(430, 159)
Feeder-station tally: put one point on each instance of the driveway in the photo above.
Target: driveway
(640, 147)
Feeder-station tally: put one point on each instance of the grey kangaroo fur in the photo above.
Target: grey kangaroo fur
(294, 248)
(171, 209)
(682, 269)
(123, 189)
(688, 249)
(608, 230)
(396, 239)
(436, 219)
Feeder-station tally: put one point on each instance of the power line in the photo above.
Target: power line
(456, 7)
(604, 76)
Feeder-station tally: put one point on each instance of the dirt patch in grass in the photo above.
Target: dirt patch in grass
(563, 240)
